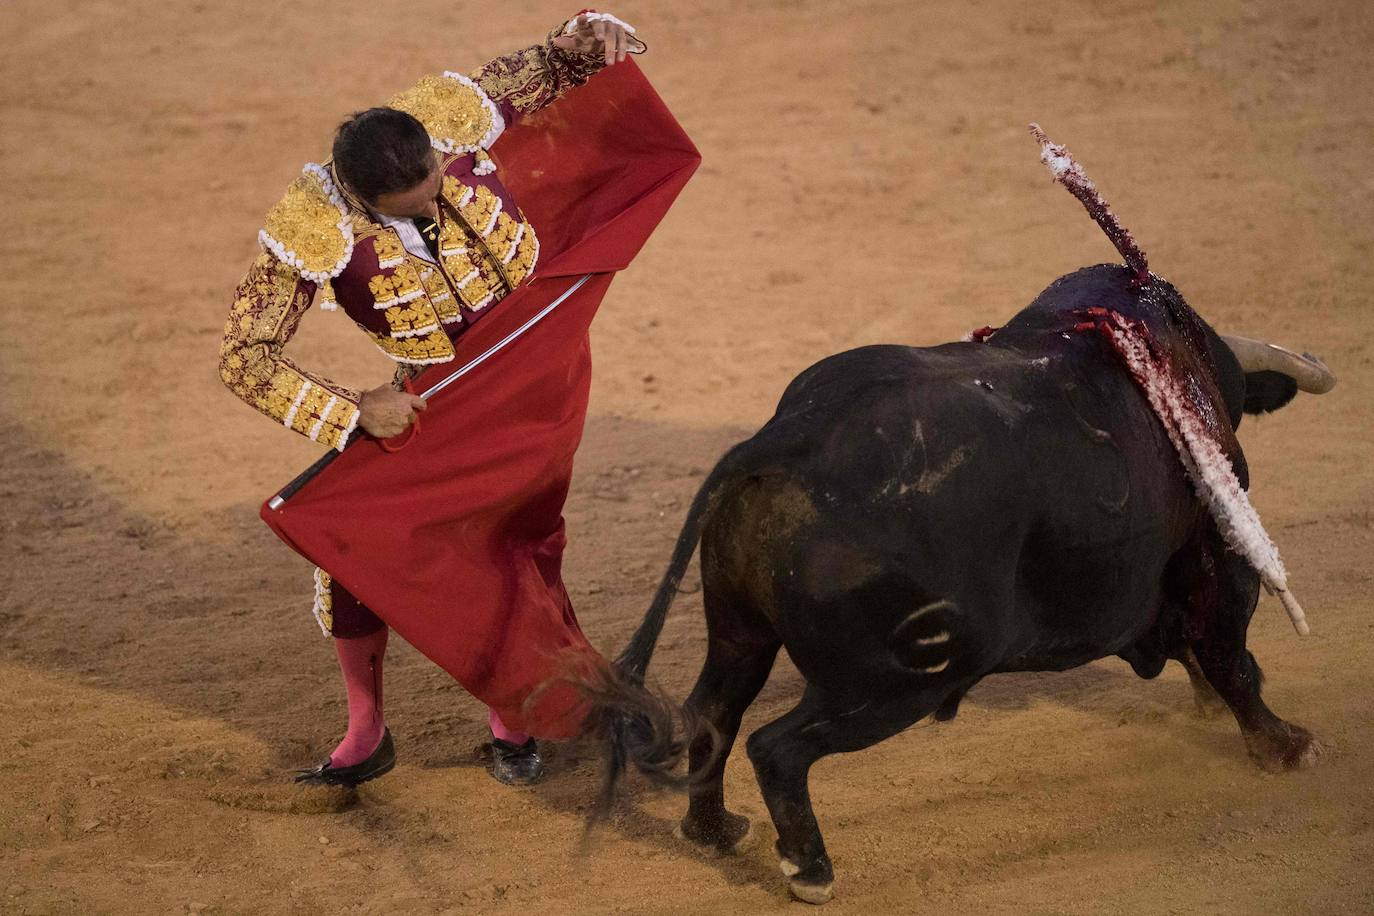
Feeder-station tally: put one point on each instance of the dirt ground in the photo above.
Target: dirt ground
(867, 178)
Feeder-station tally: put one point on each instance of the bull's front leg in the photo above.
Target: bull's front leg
(1207, 701)
(1235, 675)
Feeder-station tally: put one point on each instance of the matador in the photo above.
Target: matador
(409, 229)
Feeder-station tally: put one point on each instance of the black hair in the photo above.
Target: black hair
(382, 151)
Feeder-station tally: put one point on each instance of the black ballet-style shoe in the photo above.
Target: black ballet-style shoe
(379, 763)
(515, 764)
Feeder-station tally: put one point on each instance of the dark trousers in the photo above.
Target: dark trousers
(352, 618)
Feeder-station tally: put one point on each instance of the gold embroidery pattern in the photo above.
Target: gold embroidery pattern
(388, 250)
(532, 77)
(481, 209)
(403, 294)
(453, 242)
(463, 260)
(476, 289)
(456, 112)
(462, 270)
(503, 238)
(526, 255)
(310, 229)
(382, 293)
(440, 297)
(406, 282)
(324, 601)
(267, 309)
(396, 288)
(358, 223)
(509, 240)
(412, 319)
(422, 349)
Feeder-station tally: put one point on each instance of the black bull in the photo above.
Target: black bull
(912, 520)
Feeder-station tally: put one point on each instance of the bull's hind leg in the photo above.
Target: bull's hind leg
(740, 652)
(784, 750)
(1232, 670)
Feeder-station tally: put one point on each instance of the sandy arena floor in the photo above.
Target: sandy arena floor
(867, 178)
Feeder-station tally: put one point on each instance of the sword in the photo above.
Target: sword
(304, 477)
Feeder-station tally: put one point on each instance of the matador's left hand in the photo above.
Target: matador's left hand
(604, 36)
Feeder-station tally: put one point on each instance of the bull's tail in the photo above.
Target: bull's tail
(634, 661)
(638, 724)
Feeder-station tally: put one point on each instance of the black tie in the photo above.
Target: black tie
(429, 231)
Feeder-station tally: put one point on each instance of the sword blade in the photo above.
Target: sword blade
(286, 492)
(505, 341)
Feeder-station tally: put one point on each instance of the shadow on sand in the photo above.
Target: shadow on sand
(212, 621)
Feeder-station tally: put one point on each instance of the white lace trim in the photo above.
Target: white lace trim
(324, 415)
(415, 332)
(296, 404)
(515, 243)
(348, 427)
(415, 362)
(398, 300)
(491, 223)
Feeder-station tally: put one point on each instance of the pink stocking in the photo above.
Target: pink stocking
(360, 660)
(499, 730)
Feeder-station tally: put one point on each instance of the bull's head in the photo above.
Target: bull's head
(1268, 376)
(1251, 377)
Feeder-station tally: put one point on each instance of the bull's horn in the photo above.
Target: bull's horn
(1310, 373)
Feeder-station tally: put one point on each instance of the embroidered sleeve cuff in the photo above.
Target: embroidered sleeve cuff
(339, 434)
(321, 414)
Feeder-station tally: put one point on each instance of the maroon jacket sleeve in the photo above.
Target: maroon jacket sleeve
(524, 81)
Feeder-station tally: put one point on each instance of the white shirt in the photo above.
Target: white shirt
(410, 235)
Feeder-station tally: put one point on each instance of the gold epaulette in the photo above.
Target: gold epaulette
(310, 228)
(458, 115)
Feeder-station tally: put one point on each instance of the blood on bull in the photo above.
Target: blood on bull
(1065, 488)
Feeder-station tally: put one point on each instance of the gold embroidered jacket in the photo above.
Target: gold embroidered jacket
(318, 238)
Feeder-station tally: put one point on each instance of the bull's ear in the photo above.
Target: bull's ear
(1266, 391)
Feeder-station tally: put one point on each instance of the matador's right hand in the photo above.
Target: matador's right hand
(602, 34)
(385, 412)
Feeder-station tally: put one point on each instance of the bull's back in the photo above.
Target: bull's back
(1017, 484)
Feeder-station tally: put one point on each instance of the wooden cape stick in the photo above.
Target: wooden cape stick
(304, 477)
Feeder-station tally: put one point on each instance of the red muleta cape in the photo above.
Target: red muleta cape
(457, 540)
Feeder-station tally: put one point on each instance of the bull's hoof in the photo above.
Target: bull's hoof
(807, 892)
(1286, 747)
(730, 834)
(815, 884)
